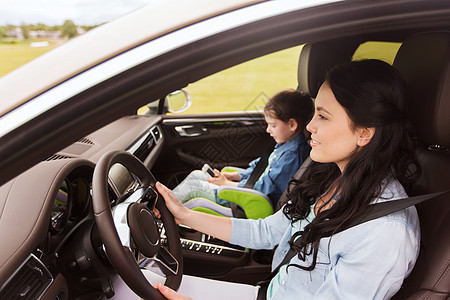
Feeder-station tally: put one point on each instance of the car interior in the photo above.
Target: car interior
(428, 85)
(59, 248)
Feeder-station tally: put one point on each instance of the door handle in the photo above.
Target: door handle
(190, 130)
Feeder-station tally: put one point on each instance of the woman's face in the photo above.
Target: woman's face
(332, 137)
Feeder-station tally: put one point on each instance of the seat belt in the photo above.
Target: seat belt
(261, 165)
(259, 169)
(283, 198)
(374, 211)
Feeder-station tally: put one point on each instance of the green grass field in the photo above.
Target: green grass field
(15, 55)
(246, 86)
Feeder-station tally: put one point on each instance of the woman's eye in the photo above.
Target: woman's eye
(321, 117)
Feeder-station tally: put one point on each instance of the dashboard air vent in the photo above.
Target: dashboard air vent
(29, 282)
(86, 141)
(156, 133)
(112, 197)
(58, 157)
(142, 148)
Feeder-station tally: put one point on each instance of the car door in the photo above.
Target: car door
(229, 139)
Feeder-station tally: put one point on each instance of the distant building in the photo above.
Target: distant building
(17, 33)
(80, 30)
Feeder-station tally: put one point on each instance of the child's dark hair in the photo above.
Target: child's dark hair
(291, 104)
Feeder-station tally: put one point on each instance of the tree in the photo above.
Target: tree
(25, 31)
(41, 26)
(38, 26)
(3, 32)
(69, 29)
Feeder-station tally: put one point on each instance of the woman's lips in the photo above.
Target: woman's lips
(314, 143)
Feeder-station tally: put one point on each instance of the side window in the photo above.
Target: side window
(385, 51)
(246, 87)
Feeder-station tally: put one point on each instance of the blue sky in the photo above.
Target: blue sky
(55, 12)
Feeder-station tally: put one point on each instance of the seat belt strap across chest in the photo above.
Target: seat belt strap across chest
(373, 212)
(261, 165)
(259, 169)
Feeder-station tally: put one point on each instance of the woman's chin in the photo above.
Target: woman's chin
(317, 158)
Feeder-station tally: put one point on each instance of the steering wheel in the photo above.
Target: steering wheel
(130, 232)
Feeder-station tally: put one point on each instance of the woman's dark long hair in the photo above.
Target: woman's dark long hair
(373, 94)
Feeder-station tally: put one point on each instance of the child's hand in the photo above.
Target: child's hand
(220, 179)
(232, 176)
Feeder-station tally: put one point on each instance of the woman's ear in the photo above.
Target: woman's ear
(365, 134)
(293, 125)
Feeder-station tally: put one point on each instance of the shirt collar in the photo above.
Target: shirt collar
(292, 144)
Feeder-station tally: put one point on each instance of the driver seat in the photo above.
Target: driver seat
(424, 61)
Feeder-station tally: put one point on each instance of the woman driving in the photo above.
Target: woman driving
(361, 151)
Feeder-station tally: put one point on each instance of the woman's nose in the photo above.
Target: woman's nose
(310, 126)
(268, 129)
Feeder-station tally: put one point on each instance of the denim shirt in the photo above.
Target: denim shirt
(367, 261)
(286, 159)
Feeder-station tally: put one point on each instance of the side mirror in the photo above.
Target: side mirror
(178, 101)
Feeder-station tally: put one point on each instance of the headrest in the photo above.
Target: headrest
(316, 59)
(424, 61)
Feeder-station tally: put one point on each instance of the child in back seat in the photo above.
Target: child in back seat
(286, 114)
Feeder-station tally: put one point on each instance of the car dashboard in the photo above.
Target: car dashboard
(54, 249)
(49, 246)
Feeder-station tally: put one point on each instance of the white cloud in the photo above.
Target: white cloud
(55, 12)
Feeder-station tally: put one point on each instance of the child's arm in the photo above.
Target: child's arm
(220, 179)
(232, 176)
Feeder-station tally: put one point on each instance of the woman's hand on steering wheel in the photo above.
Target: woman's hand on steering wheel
(178, 210)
